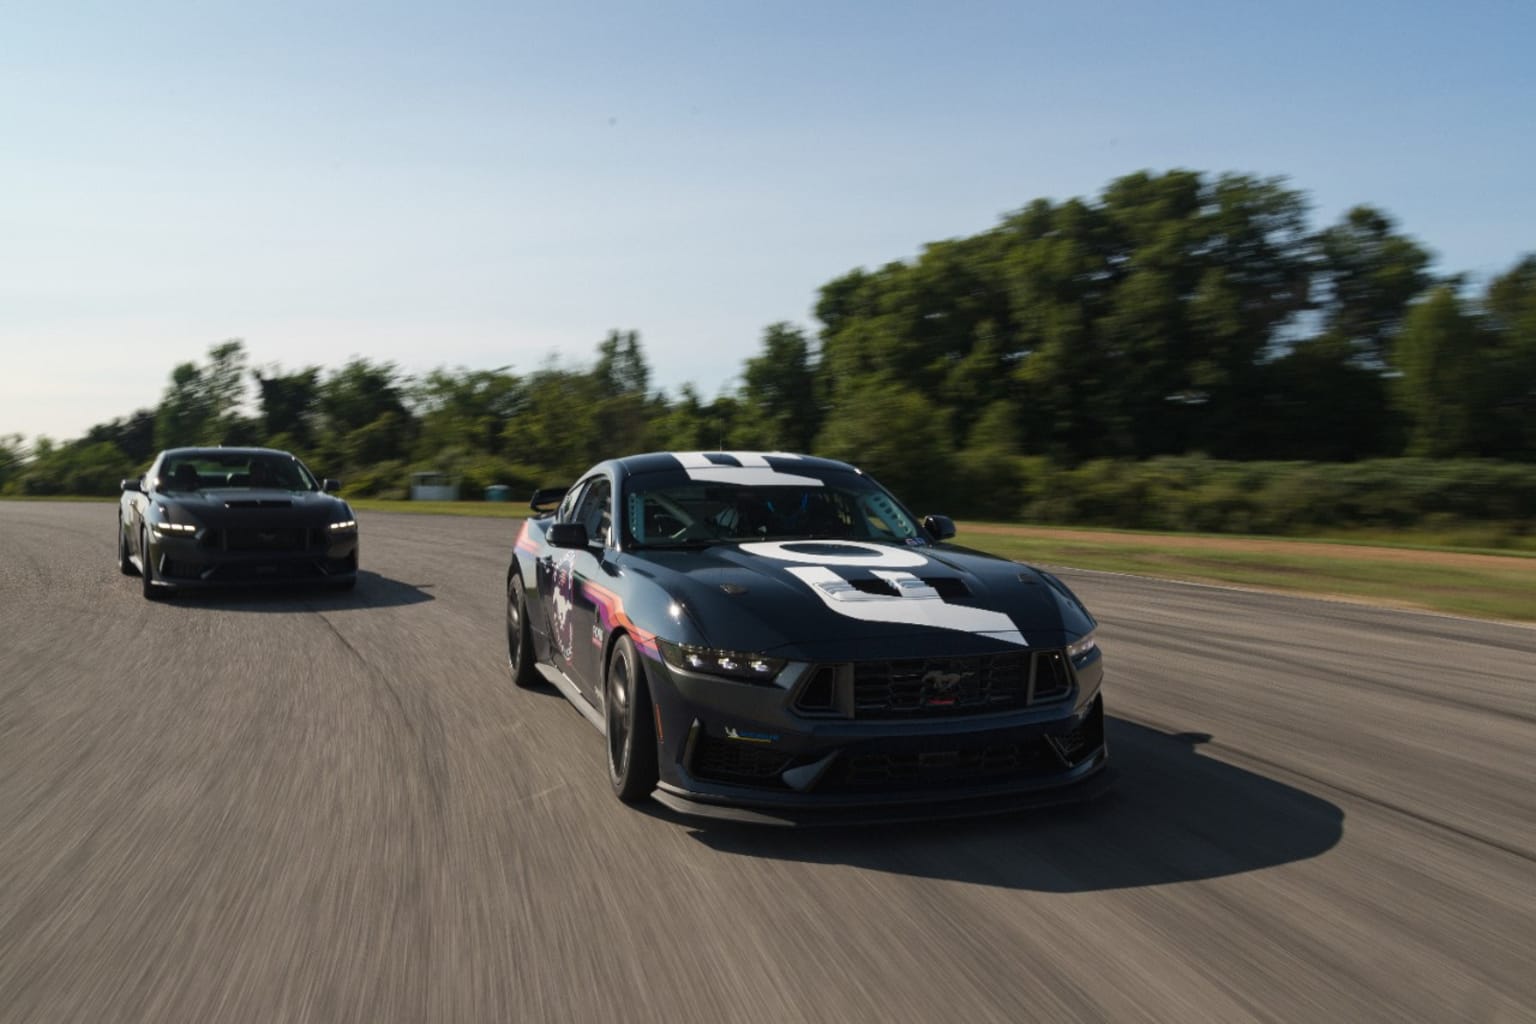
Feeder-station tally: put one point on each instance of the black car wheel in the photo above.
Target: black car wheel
(519, 641)
(147, 569)
(631, 733)
(124, 563)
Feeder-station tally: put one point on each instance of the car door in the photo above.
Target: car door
(570, 609)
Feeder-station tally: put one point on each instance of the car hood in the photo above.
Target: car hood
(239, 505)
(827, 599)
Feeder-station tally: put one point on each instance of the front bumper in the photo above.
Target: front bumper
(742, 752)
(207, 560)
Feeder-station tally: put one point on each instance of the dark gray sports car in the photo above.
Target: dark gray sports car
(204, 517)
(774, 637)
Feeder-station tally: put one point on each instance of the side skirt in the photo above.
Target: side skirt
(560, 681)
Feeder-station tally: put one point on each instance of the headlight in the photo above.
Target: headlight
(174, 529)
(345, 524)
(752, 668)
(1084, 649)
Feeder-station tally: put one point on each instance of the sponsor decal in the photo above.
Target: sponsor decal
(750, 735)
(611, 615)
(563, 600)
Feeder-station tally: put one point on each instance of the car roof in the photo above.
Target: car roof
(208, 449)
(661, 462)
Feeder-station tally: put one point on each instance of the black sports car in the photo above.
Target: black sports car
(205, 517)
(774, 637)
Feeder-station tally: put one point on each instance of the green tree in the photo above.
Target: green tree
(896, 435)
(204, 404)
(778, 393)
(1442, 387)
(1368, 274)
(288, 404)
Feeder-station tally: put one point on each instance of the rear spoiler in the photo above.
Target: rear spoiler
(546, 499)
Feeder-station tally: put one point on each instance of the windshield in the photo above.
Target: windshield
(210, 470)
(671, 510)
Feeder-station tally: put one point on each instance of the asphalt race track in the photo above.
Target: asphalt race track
(327, 807)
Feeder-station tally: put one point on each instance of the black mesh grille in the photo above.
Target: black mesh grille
(737, 761)
(937, 687)
(286, 539)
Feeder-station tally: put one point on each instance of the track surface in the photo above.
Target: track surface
(305, 807)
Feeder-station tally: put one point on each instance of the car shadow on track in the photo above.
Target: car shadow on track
(372, 591)
(1175, 815)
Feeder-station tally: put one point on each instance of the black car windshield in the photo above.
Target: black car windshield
(221, 470)
(672, 510)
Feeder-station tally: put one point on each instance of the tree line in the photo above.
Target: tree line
(1174, 314)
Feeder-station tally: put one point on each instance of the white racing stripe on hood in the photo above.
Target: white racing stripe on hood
(918, 606)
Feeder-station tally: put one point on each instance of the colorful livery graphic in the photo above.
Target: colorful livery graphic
(774, 637)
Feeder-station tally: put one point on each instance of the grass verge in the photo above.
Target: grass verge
(1459, 583)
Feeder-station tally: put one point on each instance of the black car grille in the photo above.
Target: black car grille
(737, 762)
(282, 539)
(936, 687)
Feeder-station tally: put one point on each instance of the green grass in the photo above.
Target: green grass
(1496, 590)
(485, 509)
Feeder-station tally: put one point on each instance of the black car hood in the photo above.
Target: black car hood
(824, 599)
(239, 505)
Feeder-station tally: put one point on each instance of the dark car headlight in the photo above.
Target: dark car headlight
(1084, 649)
(713, 661)
(169, 529)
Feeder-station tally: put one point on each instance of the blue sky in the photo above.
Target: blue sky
(488, 184)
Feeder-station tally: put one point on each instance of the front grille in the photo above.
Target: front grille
(896, 689)
(876, 771)
(738, 762)
(936, 687)
(285, 539)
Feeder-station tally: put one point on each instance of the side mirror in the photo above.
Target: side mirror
(567, 535)
(939, 527)
(330, 485)
(134, 486)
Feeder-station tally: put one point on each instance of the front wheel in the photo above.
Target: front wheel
(631, 732)
(519, 640)
(124, 563)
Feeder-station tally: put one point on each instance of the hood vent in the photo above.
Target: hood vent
(948, 586)
(875, 586)
(259, 503)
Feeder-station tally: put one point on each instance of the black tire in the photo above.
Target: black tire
(342, 586)
(124, 564)
(631, 730)
(519, 639)
(147, 570)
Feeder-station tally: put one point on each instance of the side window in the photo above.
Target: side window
(593, 511)
(566, 513)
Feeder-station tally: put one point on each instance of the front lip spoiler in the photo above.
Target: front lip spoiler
(928, 808)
